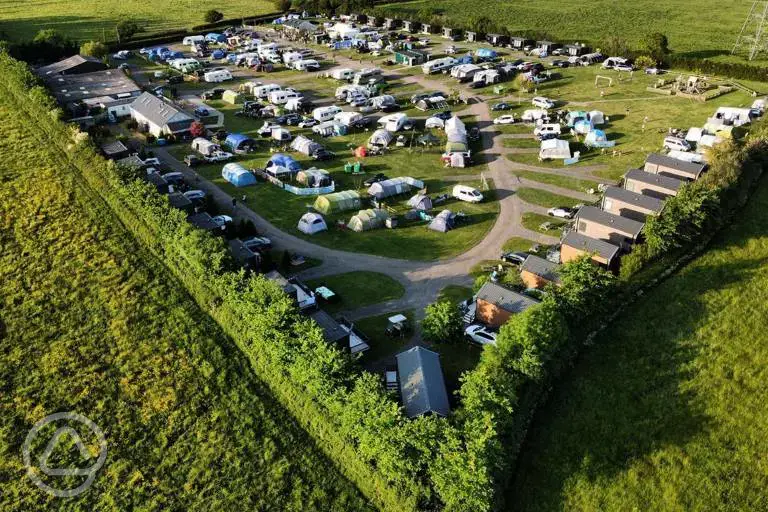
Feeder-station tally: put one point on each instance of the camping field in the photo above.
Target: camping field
(667, 410)
(92, 323)
(95, 20)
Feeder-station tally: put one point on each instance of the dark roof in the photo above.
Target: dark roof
(590, 245)
(109, 83)
(113, 148)
(203, 220)
(658, 180)
(421, 382)
(332, 331)
(691, 169)
(598, 216)
(158, 111)
(179, 200)
(240, 252)
(131, 161)
(647, 202)
(65, 65)
(505, 298)
(541, 267)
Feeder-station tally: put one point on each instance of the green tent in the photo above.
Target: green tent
(366, 220)
(337, 202)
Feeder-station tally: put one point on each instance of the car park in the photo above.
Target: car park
(561, 212)
(507, 119)
(480, 335)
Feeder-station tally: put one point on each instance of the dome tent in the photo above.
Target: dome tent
(582, 127)
(311, 223)
(380, 138)
(238, 175)
(420, 202)
(314, 177)
(575, 115)
(443, 222)
(337, 202)
(597, 138)
(434, 122)
(388, 188)
(596, 117)
(237, 142)
(366, 220)
(305, 146)
(281, 160)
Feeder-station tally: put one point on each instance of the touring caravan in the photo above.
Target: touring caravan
(348, 118)
(266, 49)
(263, 91)
(192, 40)
(464, 72)
(291, 57)
(393, 122)
(343, 74)
(366, 75)
(281, 97)
(306, 65)
(217, 75)
(322, 114)
(438, 65)
(204, 146)
(185, 65)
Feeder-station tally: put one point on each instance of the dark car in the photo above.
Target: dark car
(291, 119)
(561, 63)
(445, 115)
(474, 133)
(501, 106)
(375, 179)
(477, 85)
(516, 258)
(201, 112)
(175, 79)
(323, 154)
(393, 107)
(213, 94)
(192, 160)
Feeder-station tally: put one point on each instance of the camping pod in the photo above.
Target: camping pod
(337, 202)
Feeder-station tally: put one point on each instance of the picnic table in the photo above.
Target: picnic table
(326, 294)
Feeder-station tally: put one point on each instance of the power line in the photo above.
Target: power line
(752, 36)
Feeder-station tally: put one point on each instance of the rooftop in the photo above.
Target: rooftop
(658, 180)
(64, 65)
(112, 83)
(598, 216)
(691, 169)
(421, 382)
(603, 249)
(505, 298)
(629, 197)
(332, 330)
(158, 111)
(541, 267)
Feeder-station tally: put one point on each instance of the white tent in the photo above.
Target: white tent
(708, 141)
(293, 105)
(694, 134)
(687, 156)
(434, 122)
(596, 117)
(281, 134)
(304, 145)
(733, 116)
(380, 138)
(554, 149)
(311, 223)
(455, 126)
(342, 30)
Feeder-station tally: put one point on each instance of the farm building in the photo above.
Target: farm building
(538, 273)
(554, 149)
(366, 220)
(160, 117)
(314, 178)
(311, 223)
(667, 166)
(238, 175)
(596, 223)
(575, 245)
(109, 91)
(411, 57)
(337, 202)
(443, 221)
(654, 185)
(495, 304)
(420, 202)
(74, 65)
(422, 387)
(631, 205)
(238, 143)
(305, 146)
(393, 187)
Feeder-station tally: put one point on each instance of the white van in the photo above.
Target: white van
(542, 102)
(547, 129)
(467, 194)
(263, 91)
(342, 74)
(322, 114)
(533, 115)
(192, 40)
(437, 65)
(676, 144)
(218, 75)
(306, 65)
(281, 97)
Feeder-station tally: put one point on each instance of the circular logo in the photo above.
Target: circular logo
(70, 422)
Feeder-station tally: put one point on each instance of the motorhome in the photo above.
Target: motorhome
(438, 65)
(281, 97)
(263, 91)
(306, 65)
(322, 114)
(217, 75)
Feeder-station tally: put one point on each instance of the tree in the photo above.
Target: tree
(615, 46)
(481, 24)
(442, 323)
(212, 16)
(656, 45)
(584, 289)
(682, 220)
(197, 129)
(283, 5)
(126, 29)
(47, 45)
(94, 49)
(645, 61)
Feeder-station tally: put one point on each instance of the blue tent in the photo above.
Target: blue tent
(239, 142)
(218, 54)
(598, 139)
(467, 59)
(213, 37)
(238, 175)
(281, 160)
(582, 126)
(486, 53)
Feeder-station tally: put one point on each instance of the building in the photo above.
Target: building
(451, 33)
(497, 39)
(537, 272)
(596, 223)
(160, 117)
(631, 205)
(495, 304)
(473, 37)
(654, 185)
(547, 46)
(576, 50)
(518, 43)
(391, 23)
(411, 26)
(114, 150)
(673, 167)
(575, 245)
(109, 91)
(74, 65)
(411, 57)
(333, 332)
(422, 387)
(204, 221)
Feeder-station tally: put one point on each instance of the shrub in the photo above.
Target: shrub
(212, 16)
(442, 323)
(94, 49)
(126, 29)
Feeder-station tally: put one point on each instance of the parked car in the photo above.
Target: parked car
(222, 220)
(192, 160)
(501, 106)
(375, 179)
(514, 257)
(201, 112)
(307, 122)
(195, 195)
(510, 119)
(291, 119)
(219, 156)
(258, 243)
(542, 102)
(562, 212)
(675, 143)
(480, 334)
(561, 63)
(323, 154)
(213, 94)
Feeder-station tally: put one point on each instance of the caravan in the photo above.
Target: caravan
(204, 146)
(281, 97)
(192, 40)
(291, 57)
(343, 74)
(262, 92)
(394, 122)
(367, 76)
(266, 49)
(217, 75)
(438, 65)
(306, 65)
(322, 114)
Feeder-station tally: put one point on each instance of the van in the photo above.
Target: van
(676, 144)
(547, 129)
(322, 114)
(467, 194)
(192, 40)
(263, 91)
(218, 75)
(438, 65)
(542, 102)
(281, 97)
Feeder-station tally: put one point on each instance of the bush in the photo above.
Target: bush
(126, 29)
(442, 323)
(212, 16)
(94, 49)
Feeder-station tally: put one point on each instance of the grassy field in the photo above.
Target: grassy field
(358, 289)
(454, 293)
(557, 180)
(91, 19)
(545, 198)
(94, 324)
(532, 221)
(668, 414)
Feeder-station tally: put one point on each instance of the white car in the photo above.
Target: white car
(561, 213)
(308, 122)
(480, 334)
(542, 102)
(222, 220)
(152, 161)
(508, 119)
(193, 195)
(675, 143)
(219, 156)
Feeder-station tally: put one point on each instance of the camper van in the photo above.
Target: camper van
(204, 146)
(533, 115)
(192, 40)
(394, 122)
(438, 65)
(263, 91)
(217, 75)
(322, 114)
(467, 194)
(281, 97)
(306, 65)
(342, 74)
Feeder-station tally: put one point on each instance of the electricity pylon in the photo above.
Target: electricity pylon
(753, 34)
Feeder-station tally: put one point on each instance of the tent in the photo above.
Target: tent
(380, 138)
(420, 202)
(238, 142)
(582, 127)
(388, 188)
(238, 175)
(457, 160)
(486, 53)
(218, 54)
(281, 134)
(286, 161)
(428, 140)
(443, 222)
(337, 202)
(305, 146)
(709, 141)
(575, 115)
(329, 128)
(598, 139)
(694, 134)
(434, 122)
(365, 220)
(314, 178)
(596, 117)
(455, 126)
(232, 97)
(293, 105)
(456, 147)
(214, 37)
(554, 148)
(311, 223)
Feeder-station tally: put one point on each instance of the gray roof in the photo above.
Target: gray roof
(629, 197)
(590, 245)
(158, 111)
(658, 180)
(541, 267)
(505, 298)
(132, 161)
(691, 169)
(204, 221)
(111, 83)
(332, 331)
(421, 382)
(598, 216)
(116, 146)
(64, 65)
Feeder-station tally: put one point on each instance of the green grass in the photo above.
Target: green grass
(517, 244)
(558, 180)
(545, 198)
(532, 221)
(454, 293)
(455, 359)
(93, 323)
(667, 411)
(358, 289)
(91, 19)
(530, 143)
(382, 345)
